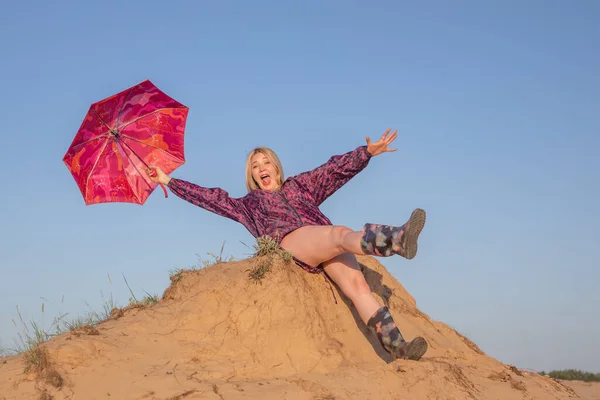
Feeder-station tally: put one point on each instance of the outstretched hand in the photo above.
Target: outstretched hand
(157, 175)
(381, 146)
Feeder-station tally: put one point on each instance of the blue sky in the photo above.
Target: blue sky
(497, 106)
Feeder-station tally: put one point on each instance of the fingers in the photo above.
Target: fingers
(385, 134)
(152, 172)
(389, 137)
(392, 137)
(386, 139)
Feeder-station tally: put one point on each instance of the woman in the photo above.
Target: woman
(288, 211)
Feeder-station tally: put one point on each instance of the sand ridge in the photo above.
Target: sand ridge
(216, 334)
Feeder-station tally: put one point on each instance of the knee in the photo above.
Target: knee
(357, 284)
(360, 285)
(339, 233)
(357, 288)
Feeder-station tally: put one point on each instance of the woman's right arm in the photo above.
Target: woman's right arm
(215, 200)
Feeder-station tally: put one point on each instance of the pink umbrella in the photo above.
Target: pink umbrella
(120, 137)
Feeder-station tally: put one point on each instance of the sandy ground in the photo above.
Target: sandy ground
(587, 390)
(218, 335)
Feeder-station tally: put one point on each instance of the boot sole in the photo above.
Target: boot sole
(414, 226)
(416, 349)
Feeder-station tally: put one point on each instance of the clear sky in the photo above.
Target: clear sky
(497, 104)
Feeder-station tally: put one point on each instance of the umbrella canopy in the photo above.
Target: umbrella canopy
(120, 137)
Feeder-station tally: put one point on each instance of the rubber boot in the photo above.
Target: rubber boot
(391, 339)
(385, 241)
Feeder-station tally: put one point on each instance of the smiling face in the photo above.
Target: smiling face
(264, 172)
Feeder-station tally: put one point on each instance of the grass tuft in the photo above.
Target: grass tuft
(267, 246)
(216, 259)
(260, 270)
(108, 306)
(266, 251)
(176, 274)
(32, 335)
(37, 361)
(146, 301)
(28, 341)
(30, 338)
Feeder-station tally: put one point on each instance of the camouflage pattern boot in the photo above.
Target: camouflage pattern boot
(385, 241)
(391, 339)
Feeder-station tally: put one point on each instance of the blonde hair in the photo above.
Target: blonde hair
(251, 184)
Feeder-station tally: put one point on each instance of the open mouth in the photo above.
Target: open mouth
(265, 179)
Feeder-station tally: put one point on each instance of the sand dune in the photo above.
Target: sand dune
(216, 334)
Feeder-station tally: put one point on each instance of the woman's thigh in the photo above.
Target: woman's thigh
(314, 244)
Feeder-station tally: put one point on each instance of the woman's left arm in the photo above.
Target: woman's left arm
(325, 180)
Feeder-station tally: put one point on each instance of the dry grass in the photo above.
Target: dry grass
(266, 251)
(37, 361)
(33, 334)
(146, 301)
(258, 272)
(175, 275)
(267, 246)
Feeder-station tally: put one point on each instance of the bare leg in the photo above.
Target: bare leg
(317, 244)
(345, 272)
(335, 248)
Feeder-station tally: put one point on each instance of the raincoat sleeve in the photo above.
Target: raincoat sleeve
(325, 180)
(215, 200)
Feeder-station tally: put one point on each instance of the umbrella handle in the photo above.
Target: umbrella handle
(164, 190)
